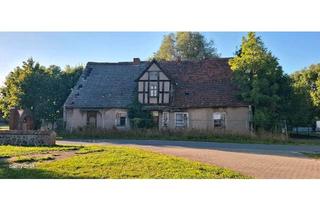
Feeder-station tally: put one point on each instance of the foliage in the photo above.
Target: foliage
(138, 117)
(119, 163)
(187, 46)
(167, 49)
(261, 81)
(306, 86)
(40, 89)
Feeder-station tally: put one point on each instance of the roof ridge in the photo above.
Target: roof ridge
(113, 63)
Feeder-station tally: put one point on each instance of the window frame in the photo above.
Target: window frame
(120, 115)
(186, 124)
(222, 120)
(153, 92)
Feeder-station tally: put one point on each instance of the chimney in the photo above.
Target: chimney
(136, 61)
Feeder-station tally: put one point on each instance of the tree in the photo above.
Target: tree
(37, 88)
(167, 49)
(12, 91)
(187, 46)
(261, 81)
(194, 46)
(306, 86)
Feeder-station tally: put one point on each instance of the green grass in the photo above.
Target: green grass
(187, 135)
(118, 162)
(10, 151)
(4, 127)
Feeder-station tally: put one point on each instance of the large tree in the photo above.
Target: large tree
(167, 49)
(306, 87)
(40, 89)
(187, 46)
(261, 81)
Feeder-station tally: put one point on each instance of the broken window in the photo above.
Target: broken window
(121, 119)
(219, 119)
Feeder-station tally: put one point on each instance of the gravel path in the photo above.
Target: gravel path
(257, 160)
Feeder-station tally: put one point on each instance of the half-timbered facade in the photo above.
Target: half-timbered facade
(154, 86)
(180, 95)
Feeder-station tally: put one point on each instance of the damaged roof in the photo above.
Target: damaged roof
(106, 85)
(205, 83)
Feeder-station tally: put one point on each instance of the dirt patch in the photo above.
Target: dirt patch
(59, 155)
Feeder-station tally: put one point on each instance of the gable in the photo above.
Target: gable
(154, 86)
(153, 71)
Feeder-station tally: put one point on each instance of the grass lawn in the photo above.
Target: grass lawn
(10, 151)
(102, 162)
(4, 127)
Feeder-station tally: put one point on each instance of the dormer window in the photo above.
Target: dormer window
(153, 90)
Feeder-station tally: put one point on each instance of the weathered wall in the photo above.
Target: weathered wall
(106, 119)
(28, 138)
(236, 119)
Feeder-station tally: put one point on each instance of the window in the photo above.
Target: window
(165, 119)
(121, 119)
(218, 119)
(153, 90)
(153, 75)
(182, 120)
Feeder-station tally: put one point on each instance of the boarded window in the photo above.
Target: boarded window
(182, 119)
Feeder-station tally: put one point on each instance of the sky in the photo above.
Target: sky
(295, 50)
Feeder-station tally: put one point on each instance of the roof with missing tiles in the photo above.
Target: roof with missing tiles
(205, 83)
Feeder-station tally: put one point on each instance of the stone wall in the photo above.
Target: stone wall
(28, 138)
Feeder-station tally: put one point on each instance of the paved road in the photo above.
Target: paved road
(257, 160)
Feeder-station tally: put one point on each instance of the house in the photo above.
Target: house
(179, 94)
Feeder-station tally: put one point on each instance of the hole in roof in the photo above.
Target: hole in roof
(80, 86)
(186, 93)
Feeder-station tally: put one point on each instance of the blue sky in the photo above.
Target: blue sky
(295, 50)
